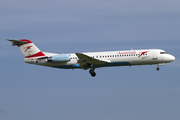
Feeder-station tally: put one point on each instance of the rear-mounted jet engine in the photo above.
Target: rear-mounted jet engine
(59, 58)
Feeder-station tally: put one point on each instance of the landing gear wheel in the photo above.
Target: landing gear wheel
(91, 71)
(157, 68)
(93, 74)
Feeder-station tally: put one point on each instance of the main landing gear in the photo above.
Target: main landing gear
(91, 71)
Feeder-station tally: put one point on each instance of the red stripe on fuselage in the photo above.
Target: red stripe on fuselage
(39, 54)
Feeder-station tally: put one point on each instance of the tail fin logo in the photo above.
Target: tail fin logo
(28, 48)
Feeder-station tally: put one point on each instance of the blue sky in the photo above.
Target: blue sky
(29, 92)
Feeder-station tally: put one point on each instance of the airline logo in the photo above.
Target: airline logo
(132, 52)
(142, 53)
(28, 48)
(123, 53)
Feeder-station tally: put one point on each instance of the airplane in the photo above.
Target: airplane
(92, 60)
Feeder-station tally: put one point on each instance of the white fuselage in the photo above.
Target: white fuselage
(113, 58)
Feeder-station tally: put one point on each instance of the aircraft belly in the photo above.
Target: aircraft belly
(114, 64)
(74, 66)
(68, 65)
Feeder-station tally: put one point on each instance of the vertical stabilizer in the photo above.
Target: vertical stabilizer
(27, 48)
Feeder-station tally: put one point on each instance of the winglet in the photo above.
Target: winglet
(16, 42)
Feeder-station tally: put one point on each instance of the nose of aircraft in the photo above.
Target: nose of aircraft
(169, 58)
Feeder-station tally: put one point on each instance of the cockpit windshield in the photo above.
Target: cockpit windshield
(163, 52)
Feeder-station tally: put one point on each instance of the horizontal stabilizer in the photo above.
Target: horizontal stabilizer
(16, 42)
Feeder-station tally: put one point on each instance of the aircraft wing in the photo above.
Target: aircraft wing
(85, 60)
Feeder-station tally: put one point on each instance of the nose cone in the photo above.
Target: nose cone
(169, 58)
(173, 58)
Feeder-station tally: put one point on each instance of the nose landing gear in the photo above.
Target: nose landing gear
(158, 68)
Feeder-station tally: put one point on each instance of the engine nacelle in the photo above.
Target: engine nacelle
(59, 58)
